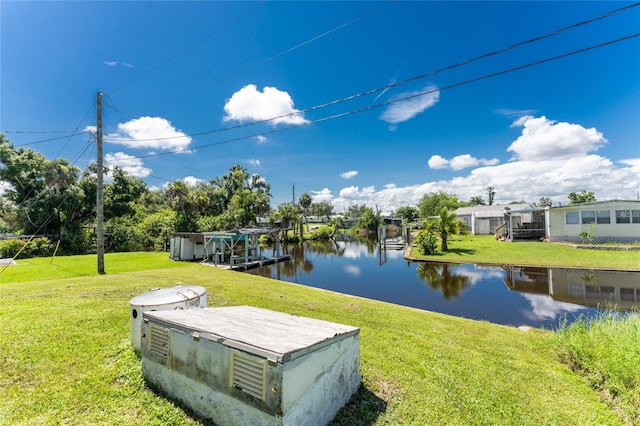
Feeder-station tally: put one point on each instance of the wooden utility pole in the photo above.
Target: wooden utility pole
(99, 191)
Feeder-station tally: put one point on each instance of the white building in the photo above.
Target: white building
(486, 220)
(615, 221)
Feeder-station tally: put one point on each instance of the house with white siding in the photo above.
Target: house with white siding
(486, 220)
(616, 221)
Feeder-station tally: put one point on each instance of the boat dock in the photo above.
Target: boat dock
(249, 264)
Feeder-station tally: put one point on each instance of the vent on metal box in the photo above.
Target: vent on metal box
(249, 374)
(159, 340)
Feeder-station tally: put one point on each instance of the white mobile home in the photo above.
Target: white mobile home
(598, 222)
(485, 220)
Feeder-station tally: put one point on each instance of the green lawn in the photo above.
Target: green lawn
(486, 249)
(65, 356)
(35, 269)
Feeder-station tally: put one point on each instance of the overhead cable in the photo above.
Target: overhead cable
(379, 105)
(396, 84)
(188, 48)
(282, 53)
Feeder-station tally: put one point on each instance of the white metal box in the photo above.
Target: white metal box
(244, 365)
(163, 299)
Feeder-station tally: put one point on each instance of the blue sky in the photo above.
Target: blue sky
(193, 76)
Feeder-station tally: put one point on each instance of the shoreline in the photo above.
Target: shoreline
(408, 256)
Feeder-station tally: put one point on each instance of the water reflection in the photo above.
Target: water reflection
(539, 297)
(440, 276)
(584, 287)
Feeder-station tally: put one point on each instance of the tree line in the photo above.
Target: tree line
(56, 199)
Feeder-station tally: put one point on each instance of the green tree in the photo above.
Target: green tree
(441, 277)
(121, 196)
(582, 197)
(305, 202)
(357, 210)
(446, 225)
(543, 202)
(369, 221)
(289, 216)
(156, 229)
(477, 201)
(322, 208)
(338, 224)
(44, 195)
(407, 213)
(491, 194)
(432, 204)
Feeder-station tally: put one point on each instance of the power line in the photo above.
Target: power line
(330, 103)
(379, 105)
(391, 85)
(277, 55)
(37, 131)
(188, 48)
(76, 129)
(52, 139)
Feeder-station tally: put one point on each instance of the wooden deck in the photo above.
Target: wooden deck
(256, 263)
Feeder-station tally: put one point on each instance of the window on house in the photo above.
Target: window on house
(603, 216)
(623, 216)
(627, 294)
(588, 216)
(627, 216)
(572, 218)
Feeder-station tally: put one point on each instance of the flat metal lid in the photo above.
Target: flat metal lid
(167, 296)
(271, 334)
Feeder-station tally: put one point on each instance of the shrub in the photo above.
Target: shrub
(322, 233)
(38, 247)
(426, 242)
(9, 248)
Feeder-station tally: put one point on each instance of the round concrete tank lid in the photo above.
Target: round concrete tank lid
(166, 296)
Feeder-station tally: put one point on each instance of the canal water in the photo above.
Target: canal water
(537, 297)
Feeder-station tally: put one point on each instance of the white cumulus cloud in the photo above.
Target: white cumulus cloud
(150, 133)
(192, 181)
(568, 165)
(349, 174)
(133, 166)
(250, 104)
(544, 139)
(354, 192)
(460, 162)
(324, 195)
(254, 162)
(410, 104)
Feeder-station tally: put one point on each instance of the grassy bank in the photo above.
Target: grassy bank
(486, 249)
(606, 351)
(65, 355)
(36, 269)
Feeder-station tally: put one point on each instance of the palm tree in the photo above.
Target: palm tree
(442, 277)
(448, 224)
(477, 200)
(305, 202)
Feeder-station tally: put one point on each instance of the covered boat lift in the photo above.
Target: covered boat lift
(236, 249)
